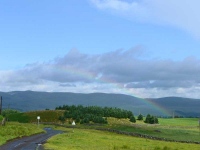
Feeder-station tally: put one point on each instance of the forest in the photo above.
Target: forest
(93, 114)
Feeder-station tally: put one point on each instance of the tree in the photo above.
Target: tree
(156, 120)
(93, 114)
(1, 117)
(77, 120)
(7, 112)
(62, 119)
(148, 118)
(132, 119)
(85, 120)
(140, 117)
(151, 119)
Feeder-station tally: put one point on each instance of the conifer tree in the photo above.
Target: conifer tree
(140, 117)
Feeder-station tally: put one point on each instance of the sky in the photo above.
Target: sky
(143, 48)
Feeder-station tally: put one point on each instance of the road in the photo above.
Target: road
(30, 143)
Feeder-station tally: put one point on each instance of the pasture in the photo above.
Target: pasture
(87, 137)
(92, 139)
(178, 129)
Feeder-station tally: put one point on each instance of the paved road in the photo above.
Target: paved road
(30, 143)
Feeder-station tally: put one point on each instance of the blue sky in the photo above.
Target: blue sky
(162, 37)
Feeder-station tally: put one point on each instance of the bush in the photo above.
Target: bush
(62, 119)
(20, 117)
(140, 117)
(7, 112)
(1, 117)
(132, 119)
(151, 119)
(85, 120)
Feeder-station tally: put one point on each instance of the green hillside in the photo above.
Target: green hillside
(50, 116)
(31, 101)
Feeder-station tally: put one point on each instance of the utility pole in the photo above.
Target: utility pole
(199, 125)
(1, 106)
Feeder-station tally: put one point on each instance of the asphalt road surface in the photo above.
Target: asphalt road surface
(30, 143)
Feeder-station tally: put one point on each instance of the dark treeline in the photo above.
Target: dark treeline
(93, 113)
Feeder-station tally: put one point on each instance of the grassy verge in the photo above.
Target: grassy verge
(13, 130)
(91, 139)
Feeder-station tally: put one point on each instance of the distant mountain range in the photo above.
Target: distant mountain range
(30, 100)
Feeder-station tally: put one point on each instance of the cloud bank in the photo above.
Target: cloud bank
(120, 71)
(178, 13)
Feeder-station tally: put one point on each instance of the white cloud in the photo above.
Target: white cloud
(183, 14)
(108, 72)
(115, 4)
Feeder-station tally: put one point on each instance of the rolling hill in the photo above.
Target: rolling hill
(31, 100)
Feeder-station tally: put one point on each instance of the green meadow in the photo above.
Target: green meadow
(92, 139)
(179, 129)
(85, 136)
(185, 122)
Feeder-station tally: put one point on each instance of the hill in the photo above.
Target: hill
(180, 106)
(31, 100)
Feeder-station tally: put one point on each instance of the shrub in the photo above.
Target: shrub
(151, 119)
(140, 117)
(132, 119)
(20, 117)
(7, 112)
(1, 117)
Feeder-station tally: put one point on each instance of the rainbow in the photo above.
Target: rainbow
(95, 77)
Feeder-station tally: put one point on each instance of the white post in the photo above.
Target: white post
(38, 118)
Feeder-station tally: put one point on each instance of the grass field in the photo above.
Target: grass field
(185, 122)
(179, 129)
(13, 130)
(84, 139)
